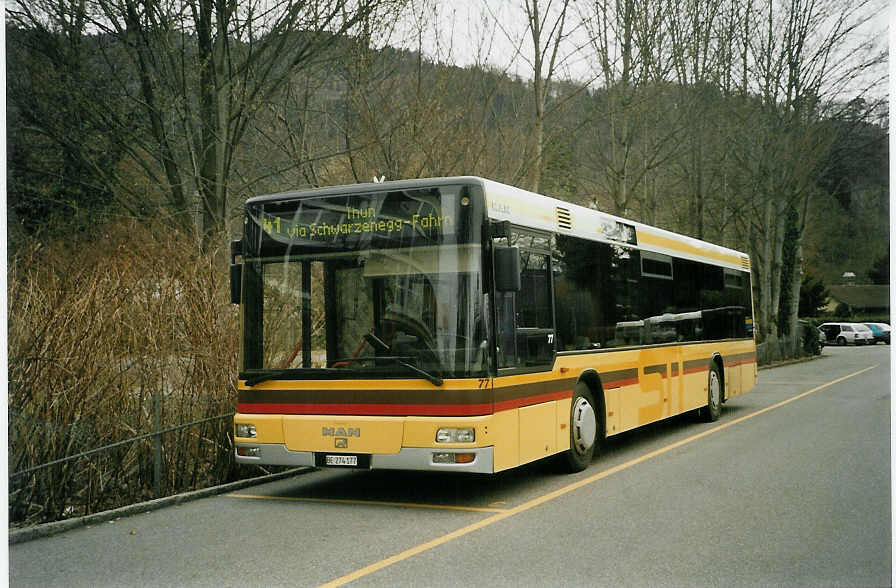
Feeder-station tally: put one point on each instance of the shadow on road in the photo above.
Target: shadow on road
(465, 490)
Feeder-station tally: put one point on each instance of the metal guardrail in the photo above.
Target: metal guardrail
(156, 434)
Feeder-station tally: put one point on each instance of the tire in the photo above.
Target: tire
(714, 393)
(841, 341)
(583, 430)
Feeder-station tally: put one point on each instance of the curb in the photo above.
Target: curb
(48, 529)
(784, 362)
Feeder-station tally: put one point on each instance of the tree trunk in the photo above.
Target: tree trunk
(539, 86)
(777, 231)
(766, 325)
(796, 278)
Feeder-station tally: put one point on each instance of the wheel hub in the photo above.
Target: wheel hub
(584, 425)
(715, 396)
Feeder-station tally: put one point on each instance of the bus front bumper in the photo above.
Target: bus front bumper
(408, 458)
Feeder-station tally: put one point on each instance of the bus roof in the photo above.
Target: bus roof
(528, 209)
(525, 208)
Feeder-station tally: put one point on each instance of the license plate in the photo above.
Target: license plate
(341, 460)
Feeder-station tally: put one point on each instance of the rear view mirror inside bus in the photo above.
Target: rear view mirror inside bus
(507, 269)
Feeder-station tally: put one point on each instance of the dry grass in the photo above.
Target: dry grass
(98, 329)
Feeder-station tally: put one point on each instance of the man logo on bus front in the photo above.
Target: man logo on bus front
(341, 432)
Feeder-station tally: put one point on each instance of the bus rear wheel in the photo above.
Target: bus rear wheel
(713, 409)
(583, 427)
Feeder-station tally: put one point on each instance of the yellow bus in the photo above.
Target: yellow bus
(461, 324)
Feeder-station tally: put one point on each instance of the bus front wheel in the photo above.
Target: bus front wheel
(583, 426)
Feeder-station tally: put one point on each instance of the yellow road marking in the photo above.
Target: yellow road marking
(366, 502)
(375, 567)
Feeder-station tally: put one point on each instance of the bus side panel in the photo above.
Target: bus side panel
(676, 383)
(532, 415)
(538, 431)
(695, 362)
(619, 374)
(562, 427)
(614, 422)
(506, 436)
(733, 379)
(740, 365)
(651, 399)
(751, 373)
(653, 375)
(629, 407)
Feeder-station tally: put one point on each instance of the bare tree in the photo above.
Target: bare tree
(198, 72)
(635, 129)
(546, 39)
(805, 53)
(547, 34)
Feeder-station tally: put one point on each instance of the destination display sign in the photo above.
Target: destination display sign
(354, 221)
(373, 220)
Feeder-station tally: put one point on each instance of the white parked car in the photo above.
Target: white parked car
(846, 334)
(864, 331)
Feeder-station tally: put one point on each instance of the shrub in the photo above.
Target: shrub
(98, 329)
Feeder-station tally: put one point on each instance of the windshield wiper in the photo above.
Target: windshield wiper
(266, 376)
(433, 379)
(400, 360)
(382, 346)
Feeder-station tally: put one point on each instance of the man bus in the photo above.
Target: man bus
(460, 324)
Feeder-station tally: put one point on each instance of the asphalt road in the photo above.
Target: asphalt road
(791, 487)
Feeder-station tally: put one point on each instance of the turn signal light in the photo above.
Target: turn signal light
(453, 457)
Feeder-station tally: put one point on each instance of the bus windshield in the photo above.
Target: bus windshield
(384, 284)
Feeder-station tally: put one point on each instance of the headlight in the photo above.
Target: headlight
(454, 435)
(246, 430)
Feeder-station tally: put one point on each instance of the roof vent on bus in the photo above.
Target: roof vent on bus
(564, 218)
(745, 263)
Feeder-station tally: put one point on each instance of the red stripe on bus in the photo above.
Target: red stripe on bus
(398, 409)
(367, 409)
(530, 400)
(620, 383)
(741, 362)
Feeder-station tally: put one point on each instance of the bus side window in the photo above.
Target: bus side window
(525, 318)
(535, 321)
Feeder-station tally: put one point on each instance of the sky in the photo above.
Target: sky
(493, 32)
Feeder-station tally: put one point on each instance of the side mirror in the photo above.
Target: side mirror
(500, 229)
(507, 269)
(236, 279)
